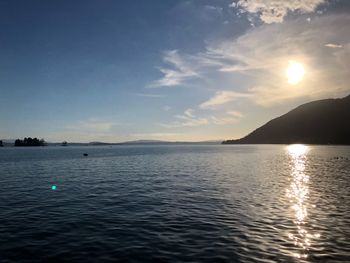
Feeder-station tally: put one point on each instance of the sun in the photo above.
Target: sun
(295, 72)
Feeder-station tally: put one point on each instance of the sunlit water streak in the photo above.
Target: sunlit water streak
(298, 194)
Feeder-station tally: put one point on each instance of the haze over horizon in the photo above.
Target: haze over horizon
(165, 70)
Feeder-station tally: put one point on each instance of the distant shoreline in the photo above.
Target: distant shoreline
(54, 145)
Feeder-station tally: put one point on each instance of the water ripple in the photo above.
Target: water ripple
(175, 204)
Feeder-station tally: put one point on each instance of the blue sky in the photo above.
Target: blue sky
(170, 70)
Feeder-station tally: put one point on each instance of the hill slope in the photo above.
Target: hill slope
(318, 122)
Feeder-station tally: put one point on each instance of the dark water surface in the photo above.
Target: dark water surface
(175, 204)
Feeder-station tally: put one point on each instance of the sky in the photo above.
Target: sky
(191, 70)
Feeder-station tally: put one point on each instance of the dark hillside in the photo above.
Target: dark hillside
(318, 122)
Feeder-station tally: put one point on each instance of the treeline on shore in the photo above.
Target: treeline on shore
(30, 142)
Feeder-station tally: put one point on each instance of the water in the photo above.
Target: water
(175, 204)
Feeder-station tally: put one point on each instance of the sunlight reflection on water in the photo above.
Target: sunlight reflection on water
(298, 194)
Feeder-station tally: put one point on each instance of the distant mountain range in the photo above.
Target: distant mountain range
(10, 142)
(154, 142)
(318, 122)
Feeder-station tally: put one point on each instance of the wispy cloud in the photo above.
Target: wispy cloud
(331, 45)
(267, 65)
(189, 113)
(178, 71)
(274, 11)
(188, 119)
(222, 97)
(260, 64)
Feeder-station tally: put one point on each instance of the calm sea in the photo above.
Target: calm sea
(188, 203)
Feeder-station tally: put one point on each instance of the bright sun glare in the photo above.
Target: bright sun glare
(295, 72)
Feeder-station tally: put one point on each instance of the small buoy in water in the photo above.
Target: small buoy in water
(85, 154)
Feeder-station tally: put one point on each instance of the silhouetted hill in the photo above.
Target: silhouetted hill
(318, 122)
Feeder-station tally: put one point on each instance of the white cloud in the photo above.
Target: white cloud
(331, 45)
(260, 64)
(274, 11)
(180, 70)
(222, 97)
(189, 113)
(233, 5)
(264, 61)
(188, 119)
(256, 63)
